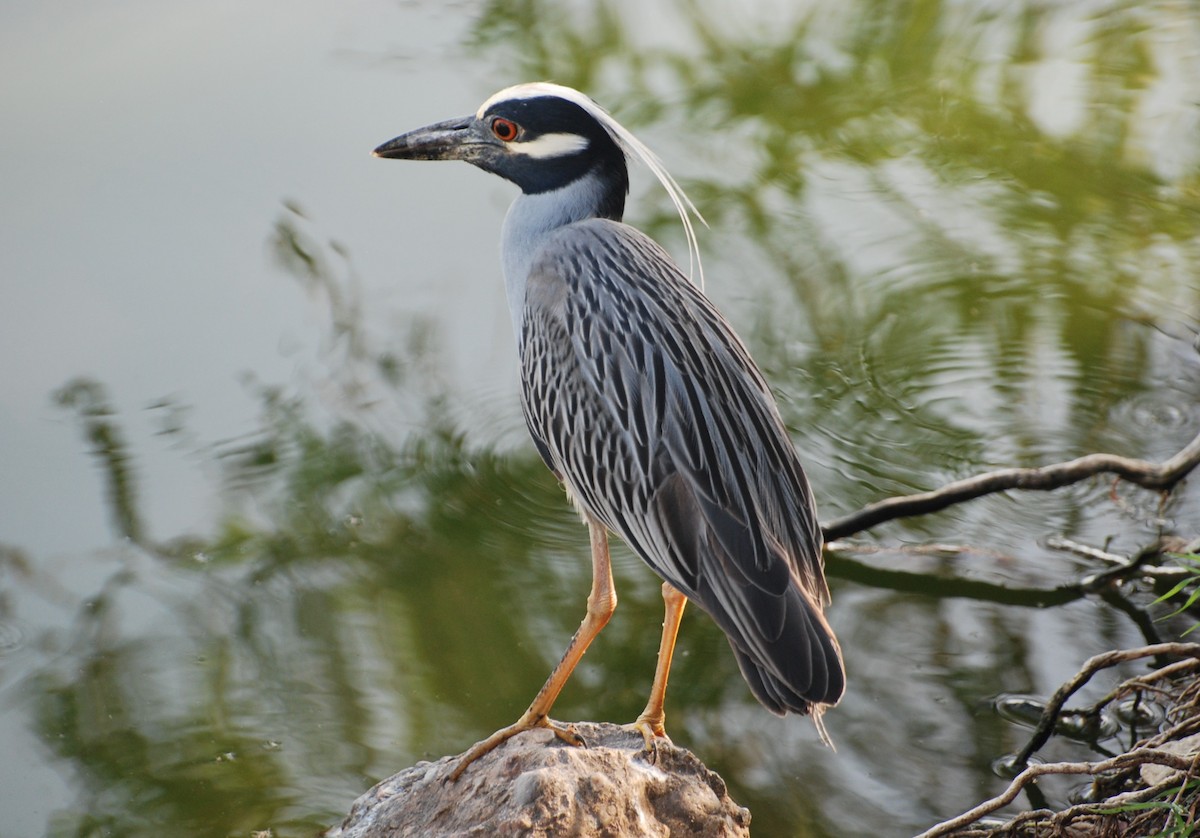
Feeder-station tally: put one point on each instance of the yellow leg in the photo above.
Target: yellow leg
(601, 603)
(650, 723)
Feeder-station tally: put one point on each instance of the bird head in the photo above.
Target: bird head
(543, 137)
(539, 136)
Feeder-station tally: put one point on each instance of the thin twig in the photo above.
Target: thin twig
(936, 548)
(1086, 809)
(1187, 727)
(1094, 664)
(1138, 757)
(1145, 681)
(1183, 781)
(1099, 581)
(1141, 472)
(1058, 542)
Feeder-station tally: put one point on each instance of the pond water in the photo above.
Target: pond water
(270, 528)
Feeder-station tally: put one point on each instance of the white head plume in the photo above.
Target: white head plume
(629, 143)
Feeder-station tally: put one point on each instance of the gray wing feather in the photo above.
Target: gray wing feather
(644, 401)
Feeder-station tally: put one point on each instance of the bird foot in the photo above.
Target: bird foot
(653, 733)
(566, 733)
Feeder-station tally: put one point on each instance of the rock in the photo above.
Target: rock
(1187, 747)
(536, 786)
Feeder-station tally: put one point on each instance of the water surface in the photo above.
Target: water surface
(270, 526)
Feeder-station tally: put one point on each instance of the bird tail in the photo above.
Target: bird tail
(801, 670)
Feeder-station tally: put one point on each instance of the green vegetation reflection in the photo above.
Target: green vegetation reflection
(921, 255)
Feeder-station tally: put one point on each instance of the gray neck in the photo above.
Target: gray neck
(530, 222)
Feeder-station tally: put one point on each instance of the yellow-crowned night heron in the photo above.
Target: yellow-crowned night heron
(646, 405)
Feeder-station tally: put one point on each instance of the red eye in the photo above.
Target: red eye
(505, 129)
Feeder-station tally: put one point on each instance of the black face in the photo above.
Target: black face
(549, 142)
(540, 143)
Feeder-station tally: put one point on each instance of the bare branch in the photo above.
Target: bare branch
(1058, 542)
(1083, 810)
(1093, 665)
(1140, 472)
(1141, 756)
(1156, 750)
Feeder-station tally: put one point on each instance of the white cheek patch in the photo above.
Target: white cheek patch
(550, 145)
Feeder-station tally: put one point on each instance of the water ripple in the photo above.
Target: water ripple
(12, 638)
(1151, 412)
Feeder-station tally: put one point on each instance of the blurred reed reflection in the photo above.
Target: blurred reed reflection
(956, 235)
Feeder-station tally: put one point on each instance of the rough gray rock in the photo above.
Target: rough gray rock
(536, 786)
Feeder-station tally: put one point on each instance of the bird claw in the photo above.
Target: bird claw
(567, 733)
(652, 734)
